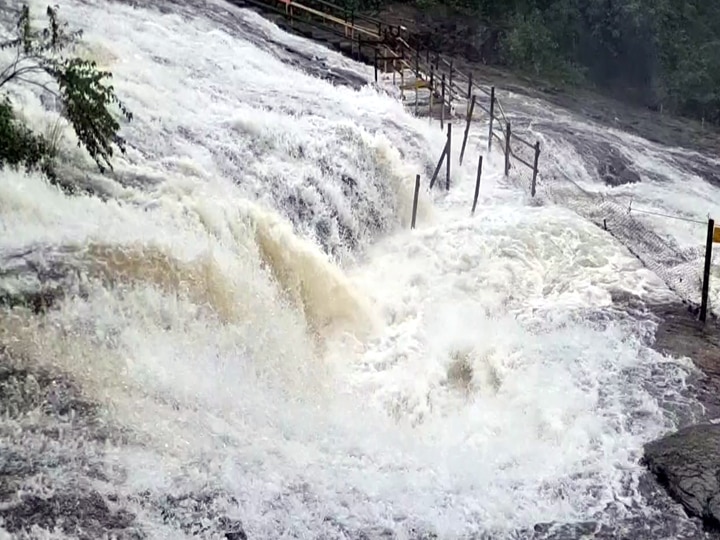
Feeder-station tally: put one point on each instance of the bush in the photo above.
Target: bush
(86, 99)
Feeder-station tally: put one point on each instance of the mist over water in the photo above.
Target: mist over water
(258, 337)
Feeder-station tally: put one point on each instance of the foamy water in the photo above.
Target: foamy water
(471, 376)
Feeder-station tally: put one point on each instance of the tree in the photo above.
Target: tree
(82, 90)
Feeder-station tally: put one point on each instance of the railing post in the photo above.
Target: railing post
(402, 76)
(376, 65)
(417, 79)
(507, 148)
(477, 183)
(470, 86)
(492, 116)
(706, 270)
(467, 127)
(432, 92)
(439, 164)
(442, 108)
(535, 169)
(385, 40)
(415, 201)
(449, 151)
(450, 88)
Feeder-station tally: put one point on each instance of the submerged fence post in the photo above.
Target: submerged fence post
(477, 183)
(442, 97)
(535, 169)
(507, 148)
(447, 163)
(706, 270)
(467, 127)
(415, 200)
(492, 116)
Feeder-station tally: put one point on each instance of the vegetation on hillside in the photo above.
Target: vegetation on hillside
(663, 53)
(665, 50)
(80, 89)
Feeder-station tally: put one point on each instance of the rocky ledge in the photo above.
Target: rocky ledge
(687, 463)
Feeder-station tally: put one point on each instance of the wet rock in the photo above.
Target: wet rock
(198, 513)
(49, 431)
(232, 529)
(36, 278)
(39, 301)
(85, 515)
(22, 390)
(614, 170)
(687, 463)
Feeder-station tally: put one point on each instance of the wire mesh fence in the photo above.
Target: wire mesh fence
(680, 268)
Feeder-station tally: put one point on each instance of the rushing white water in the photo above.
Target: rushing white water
(471, 376)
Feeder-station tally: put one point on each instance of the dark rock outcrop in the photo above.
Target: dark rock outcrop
(614, 170)
(687, 463)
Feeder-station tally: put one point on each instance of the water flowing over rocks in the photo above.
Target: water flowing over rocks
(54, 451)
(49, 430)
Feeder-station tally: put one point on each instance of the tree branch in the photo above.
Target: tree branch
(45, 87)
(20, 73)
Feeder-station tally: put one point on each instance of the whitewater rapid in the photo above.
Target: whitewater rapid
(262, 332)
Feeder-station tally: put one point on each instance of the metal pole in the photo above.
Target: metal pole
(470, 86)
(535, 169)
(477, 183)
(417, 79)
(376, 59)
(442, 108)
(492, 116)
(507, 149)
(447, 163)
(450, 88)
(439, 164)
(706, 271)
(467, 128)
(415, 200)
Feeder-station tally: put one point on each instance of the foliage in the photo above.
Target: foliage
(82, 90)
(659, 52)
(21, 147)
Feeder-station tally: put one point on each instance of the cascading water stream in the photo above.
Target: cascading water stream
(258, 341)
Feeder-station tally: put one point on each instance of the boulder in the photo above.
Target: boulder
(687, 463)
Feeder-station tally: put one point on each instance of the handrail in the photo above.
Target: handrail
(425, 70)
(265, 5)
(521, 160)
(357, 16)
(519, 138)
(328, 16)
